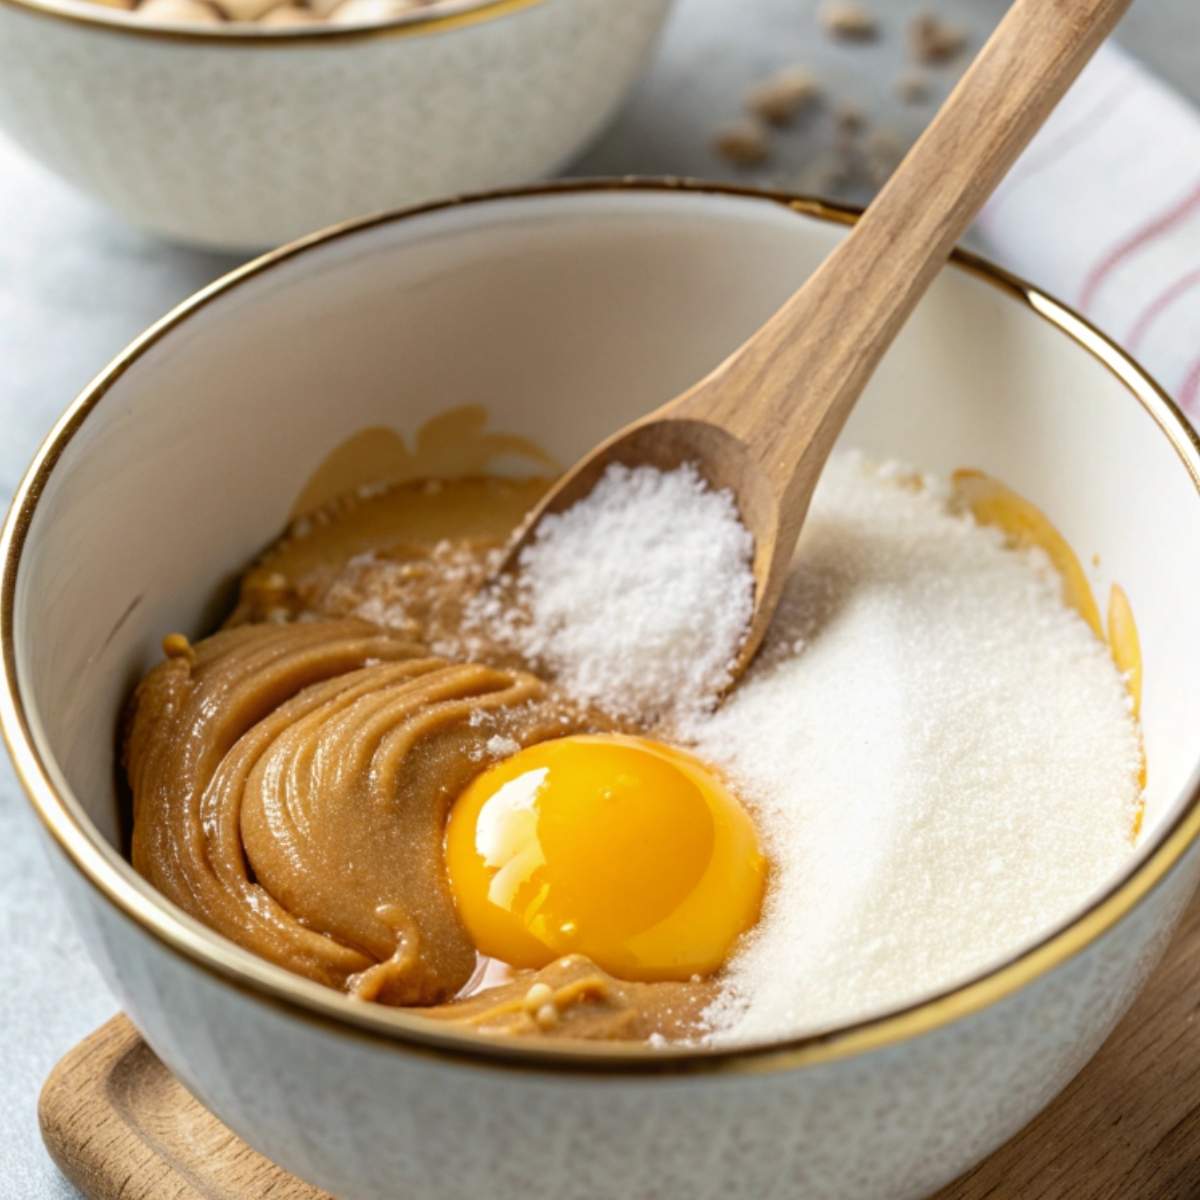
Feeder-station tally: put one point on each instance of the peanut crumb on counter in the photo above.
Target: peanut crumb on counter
(933, 40)
(781, 97)
(849, 21)
(742, 142)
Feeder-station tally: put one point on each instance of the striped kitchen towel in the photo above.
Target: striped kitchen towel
(1103, 211)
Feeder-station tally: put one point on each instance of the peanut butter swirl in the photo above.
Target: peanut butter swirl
(290, 787)
(291, 774)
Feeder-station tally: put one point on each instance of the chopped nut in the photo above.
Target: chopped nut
(244, 10)
(913, 87)
(288, 16)
(279, 14)
(743, 142)
(362, 12)
(780, 97)
(179, 12)
(849, 21)
(933, 41)
(539, 995)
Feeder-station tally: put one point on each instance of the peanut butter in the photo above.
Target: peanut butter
(291, 773)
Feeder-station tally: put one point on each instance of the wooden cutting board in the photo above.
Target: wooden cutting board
(120, 1126)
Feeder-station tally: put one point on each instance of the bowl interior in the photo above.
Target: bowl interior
(563, 315)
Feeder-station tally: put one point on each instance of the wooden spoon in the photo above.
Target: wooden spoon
(763, 422)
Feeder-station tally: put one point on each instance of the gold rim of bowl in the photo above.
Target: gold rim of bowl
(100, 864)
(441, 18)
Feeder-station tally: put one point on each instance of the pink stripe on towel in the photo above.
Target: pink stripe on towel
(1142, 237)
(1159, 305)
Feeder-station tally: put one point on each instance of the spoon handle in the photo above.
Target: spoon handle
(788, 391)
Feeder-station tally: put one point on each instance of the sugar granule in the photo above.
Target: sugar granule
(498, 746)
(638, 597)
(938, 753)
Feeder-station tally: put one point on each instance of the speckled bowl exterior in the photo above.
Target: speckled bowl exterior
(244, 140)
(564, 312)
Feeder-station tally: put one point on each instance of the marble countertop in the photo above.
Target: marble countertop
(75, 286)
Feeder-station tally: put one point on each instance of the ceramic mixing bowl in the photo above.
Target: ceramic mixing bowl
(241, 137)
(563, 313)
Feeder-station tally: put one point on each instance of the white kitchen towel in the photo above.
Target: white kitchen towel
(1103, 211)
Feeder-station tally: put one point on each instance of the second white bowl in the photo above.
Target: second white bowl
(242, 138)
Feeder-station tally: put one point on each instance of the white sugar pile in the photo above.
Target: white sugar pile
(637, 598)
(939, 754)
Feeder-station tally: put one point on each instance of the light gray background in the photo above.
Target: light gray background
(75, 286)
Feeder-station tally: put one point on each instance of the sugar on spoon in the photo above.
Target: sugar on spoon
(764, 421)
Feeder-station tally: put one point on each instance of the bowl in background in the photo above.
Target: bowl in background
(565, 311)
(241, 137)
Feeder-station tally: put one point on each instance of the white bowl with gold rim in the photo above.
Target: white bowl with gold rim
(564, 312)
(243, 137)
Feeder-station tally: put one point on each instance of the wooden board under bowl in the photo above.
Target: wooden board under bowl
(121, 1127)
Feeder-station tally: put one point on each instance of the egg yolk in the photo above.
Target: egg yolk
(619, 848)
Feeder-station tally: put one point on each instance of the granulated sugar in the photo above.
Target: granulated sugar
(939, 754)
(637, 598)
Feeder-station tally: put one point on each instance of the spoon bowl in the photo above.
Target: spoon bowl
(666, 442)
